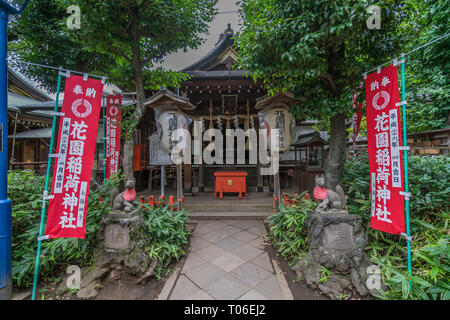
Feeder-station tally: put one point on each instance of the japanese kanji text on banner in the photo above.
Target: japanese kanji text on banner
(113, 114)
(76, 150)
(385, 159)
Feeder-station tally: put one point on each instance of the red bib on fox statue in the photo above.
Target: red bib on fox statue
(129, 195)
(320, 193)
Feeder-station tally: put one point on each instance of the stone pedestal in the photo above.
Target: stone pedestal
(117, 229)
(336, 244)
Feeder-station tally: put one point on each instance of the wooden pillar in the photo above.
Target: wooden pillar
(271, 184)
(188, 178)
(276, 187)
(201, 181)
(14, 141)
(260, 178)
(179, 184)
(163, 179)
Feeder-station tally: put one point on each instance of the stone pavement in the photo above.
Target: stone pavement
(227, 261)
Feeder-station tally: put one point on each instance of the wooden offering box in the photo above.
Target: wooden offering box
(230, 181)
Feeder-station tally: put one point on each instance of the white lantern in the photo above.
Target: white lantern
(279, 118)
(169, 121)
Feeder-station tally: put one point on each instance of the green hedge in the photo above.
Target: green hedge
(429, 184)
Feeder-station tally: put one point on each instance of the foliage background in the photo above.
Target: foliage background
(165, 230)
(25, 191)
(430, 187)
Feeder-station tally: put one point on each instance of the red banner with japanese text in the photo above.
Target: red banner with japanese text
(385, 159)
(73, 166)
(113, 114)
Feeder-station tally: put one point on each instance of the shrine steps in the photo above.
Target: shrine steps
(205, 206)
(229, 215)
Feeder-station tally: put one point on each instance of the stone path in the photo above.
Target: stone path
(227, 262)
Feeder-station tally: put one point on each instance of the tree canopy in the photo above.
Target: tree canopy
(319, 50)
(122, 39)
(427, 69)
(109, 30)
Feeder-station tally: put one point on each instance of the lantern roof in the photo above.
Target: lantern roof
(165, 99)
(309, 139)
(286, 99)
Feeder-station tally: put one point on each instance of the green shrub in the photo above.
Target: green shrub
(429, 184)
(288, 232)
(166, 230)
(429, 213)
(167, 233)
(25, 191)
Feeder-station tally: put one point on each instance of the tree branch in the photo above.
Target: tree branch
(118, 51)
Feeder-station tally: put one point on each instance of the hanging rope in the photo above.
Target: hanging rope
(61, 69)
(409, 52)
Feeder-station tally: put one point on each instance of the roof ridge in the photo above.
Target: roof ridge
(224, 36)
(28, 82)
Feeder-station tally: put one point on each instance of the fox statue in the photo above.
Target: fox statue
(328, 199)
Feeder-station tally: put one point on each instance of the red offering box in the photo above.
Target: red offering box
(230, 181)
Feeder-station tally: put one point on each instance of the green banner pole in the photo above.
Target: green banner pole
(44, 200)
(405, 160)
(104, 139)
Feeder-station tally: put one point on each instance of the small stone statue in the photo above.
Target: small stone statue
(329, 200)
(124, 201)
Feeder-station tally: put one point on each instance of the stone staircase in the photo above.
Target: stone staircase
(205, 207)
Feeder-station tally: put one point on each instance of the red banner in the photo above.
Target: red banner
(113, 114)
(385, 159)
(76, 149)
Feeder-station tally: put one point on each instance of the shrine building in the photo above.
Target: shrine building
(223, 97)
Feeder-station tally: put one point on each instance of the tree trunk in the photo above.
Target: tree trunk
(139, 112)
(334, 165)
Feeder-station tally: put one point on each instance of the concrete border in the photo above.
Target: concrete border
(170, 283)
(284, 287)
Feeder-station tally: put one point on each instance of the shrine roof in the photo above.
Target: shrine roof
(44, 133)
(217, 57)
(19, 84)
(309, 138)
(167, 98)
(286, 98)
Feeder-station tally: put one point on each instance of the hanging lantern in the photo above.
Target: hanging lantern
(278, 118)
(168, 122)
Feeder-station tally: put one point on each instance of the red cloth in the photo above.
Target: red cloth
(129, 195)
(113, 115)
(320, 193)
(76, 147)
(384, 137)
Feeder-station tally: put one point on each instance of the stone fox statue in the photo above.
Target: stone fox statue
(328, 199)
(124, 200)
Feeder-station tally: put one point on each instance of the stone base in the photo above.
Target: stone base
(116, 215)
(122, 250)
(336, 244)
